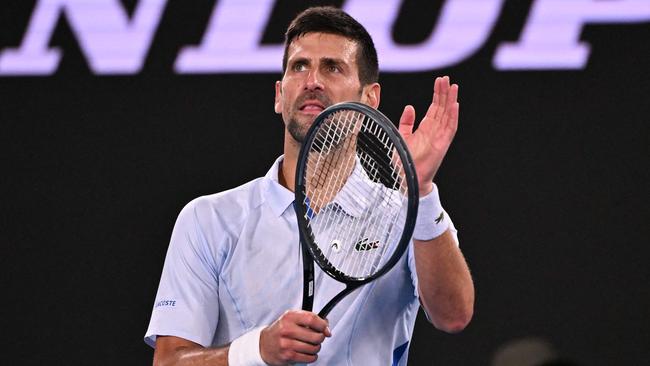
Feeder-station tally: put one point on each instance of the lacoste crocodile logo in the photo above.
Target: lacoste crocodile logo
(440, 218)
(366, 244)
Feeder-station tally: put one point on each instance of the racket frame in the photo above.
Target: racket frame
(307, 239)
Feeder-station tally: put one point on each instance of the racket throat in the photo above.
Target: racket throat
(328, 307)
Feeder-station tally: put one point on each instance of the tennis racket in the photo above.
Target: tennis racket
(356, 198)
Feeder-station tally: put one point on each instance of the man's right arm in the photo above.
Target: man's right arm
(295, 337)
(175, 351)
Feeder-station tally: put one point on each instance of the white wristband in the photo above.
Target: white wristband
(245, 350)
(432, 220)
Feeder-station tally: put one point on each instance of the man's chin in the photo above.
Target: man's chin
(298, 130)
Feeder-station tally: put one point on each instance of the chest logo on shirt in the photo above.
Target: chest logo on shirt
(365, 244)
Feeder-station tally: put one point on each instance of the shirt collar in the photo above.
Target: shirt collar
(348, 198)
(357, 194)
(278, 197)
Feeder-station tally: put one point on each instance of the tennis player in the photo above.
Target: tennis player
(231, 286)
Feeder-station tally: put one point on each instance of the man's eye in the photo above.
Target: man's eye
(299, 67)
(334, 68)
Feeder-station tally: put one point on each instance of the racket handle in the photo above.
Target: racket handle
(308, 280)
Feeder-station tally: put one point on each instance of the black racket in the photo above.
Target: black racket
(356, 198)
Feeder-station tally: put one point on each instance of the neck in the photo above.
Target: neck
(287, 171)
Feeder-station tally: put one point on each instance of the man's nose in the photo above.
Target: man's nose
(314, 80)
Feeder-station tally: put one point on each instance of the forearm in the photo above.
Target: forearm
(445, 284)
(295, 337)
(168, 353)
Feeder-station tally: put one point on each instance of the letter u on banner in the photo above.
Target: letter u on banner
(463, 27)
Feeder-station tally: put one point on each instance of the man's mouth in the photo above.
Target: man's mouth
(312, 107)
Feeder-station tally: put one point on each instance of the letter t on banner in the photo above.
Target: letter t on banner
(551, 37)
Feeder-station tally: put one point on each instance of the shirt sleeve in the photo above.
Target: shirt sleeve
(187, 303)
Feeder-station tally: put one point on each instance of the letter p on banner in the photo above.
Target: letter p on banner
(551, 37)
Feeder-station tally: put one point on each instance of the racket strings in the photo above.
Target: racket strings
(332, 131)
(392, 168)
(328, 171)
(379, 229)
(377, 186)
(375, 228)
(324, 165)
(366, 265)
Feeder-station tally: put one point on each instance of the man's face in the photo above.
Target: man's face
(321, 71)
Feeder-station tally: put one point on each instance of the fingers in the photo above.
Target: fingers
(443, 91)
(454, 115)
(444, 97)
(301, 347)
(436, 91)
(406, 121)
(450, 114)
(295, 337)
(314, 322)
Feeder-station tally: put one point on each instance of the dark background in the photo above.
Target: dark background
(547, 182)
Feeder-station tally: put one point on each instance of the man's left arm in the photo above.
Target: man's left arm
(444, 283)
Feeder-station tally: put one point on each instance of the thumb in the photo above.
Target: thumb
(406, 121)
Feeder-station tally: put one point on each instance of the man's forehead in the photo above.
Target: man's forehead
(323, 45)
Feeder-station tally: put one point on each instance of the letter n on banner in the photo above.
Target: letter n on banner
(111, 42)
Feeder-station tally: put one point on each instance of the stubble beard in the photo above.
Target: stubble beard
(298, 130)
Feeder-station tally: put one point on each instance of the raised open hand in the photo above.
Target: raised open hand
(430, 142)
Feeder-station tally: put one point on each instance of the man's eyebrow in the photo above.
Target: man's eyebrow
(338, 63)
(332, 61)
(302, 60)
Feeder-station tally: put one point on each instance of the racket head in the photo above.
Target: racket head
(375, 196)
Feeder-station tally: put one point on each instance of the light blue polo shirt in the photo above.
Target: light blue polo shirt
(234, 263)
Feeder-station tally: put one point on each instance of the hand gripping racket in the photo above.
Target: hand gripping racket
(356, 198)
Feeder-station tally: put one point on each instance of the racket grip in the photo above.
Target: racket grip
(308, 280)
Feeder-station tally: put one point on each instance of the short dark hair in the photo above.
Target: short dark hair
(327, 19)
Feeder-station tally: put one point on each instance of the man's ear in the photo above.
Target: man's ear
(278, 97)
(371, 94)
